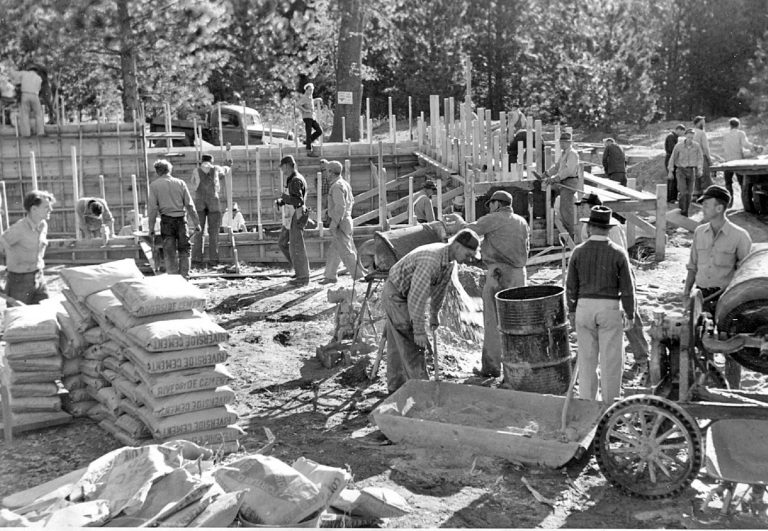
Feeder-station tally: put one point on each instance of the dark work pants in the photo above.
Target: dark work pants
(176, 246)
(291, 243)
(213, 221)
(28, 288)
(672, 188)
(311, 124)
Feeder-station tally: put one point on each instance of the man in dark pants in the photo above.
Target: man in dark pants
(295, 218)
(669, 144)
(206, 185)
(24, 245)
(687, 162)
(307, 108)
(614, 162)
(170, 197)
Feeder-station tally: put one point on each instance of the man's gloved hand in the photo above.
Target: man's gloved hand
(421, 340)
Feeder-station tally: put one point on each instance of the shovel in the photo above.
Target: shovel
(435, 358)
(571, 435)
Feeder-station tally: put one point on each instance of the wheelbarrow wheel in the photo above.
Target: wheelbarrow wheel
(649, 447)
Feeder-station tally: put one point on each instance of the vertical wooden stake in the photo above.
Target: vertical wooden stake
(347, 170)
(410, 120)
(439, 184)
(538, 142)
(136, 215)
(320, 227)
(529, 167)
(410, 200)
(362, 128)
(5, 205)
(661, 221)
(33, 166)
(382, 190)
(102, 189)
(75, 191)
(343, 128)
(558, 152)
(259, 226)
(368, 122)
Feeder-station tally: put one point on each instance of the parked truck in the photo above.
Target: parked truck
(754, 188)
(235, 121)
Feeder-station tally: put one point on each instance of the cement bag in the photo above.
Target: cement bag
(101, 412)
(78, 395)
(34, 322)
(109, 375)
(133, 427)
(49, 364)
(96, 352)
(98, 303)
(26, 377)
(73, 382)
(222, 512)
(178, 425)
(127, 388)
(36, 404)
(277, 493)
(113, 364)
(71, 341)
(34, 389)
(91, 368)
(185, 516)
(31, 349)
(94, 336)
(108, 396)
(156, 295)
(178, 334)
(94, 383)
(178, 382)
(79, 409)
(331, 480)
(167, 496)
(88, 514)
(79, 313)
(70, 367)
(187, 402)
(129, 371)
(380, 502)
(86, 280)
(212, 437)
(110, 426)
(120, 317)
(175, 360)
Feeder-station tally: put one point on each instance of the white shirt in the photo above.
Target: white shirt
(238, 224)
(734, 143)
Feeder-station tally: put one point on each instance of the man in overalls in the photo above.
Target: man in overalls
(206, 185)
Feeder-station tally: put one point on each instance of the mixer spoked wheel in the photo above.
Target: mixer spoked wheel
(649, 447)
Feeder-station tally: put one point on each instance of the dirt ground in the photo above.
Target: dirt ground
(323, 414)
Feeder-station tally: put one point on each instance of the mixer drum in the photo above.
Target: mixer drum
(743, 306)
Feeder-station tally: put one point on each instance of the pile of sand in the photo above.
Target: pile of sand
(648, 173)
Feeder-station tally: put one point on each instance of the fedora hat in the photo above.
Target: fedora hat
(591, 199)
(600, 216)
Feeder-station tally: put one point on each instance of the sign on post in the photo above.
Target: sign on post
(344, 97)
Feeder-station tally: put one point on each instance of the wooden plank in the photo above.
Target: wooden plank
(661, 222)
(616, 187)
(35, 421)
(640, 223)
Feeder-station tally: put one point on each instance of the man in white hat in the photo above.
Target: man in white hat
(600, 284)
(236, 222)
(342, 249)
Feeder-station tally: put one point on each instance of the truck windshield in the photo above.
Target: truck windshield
(252, 119)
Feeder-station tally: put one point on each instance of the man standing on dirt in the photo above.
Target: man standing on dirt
(342, 249)
(565, 177)
(703, 180)
(295, 217)
(23, 245)
(734, 143)
(95, 218)
(311, 127)
(421, 275)
(614, 162)
(599, 284)
(669, 144)
(170, 197)
(206, 185)
(686, 161)
(506, 242)
(422, 206)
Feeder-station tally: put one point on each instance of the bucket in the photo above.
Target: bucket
(535, 353)
(391, 246)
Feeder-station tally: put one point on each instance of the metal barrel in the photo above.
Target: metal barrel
(391, 246)
(535, 354)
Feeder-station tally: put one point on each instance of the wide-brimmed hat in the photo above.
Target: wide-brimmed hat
(566, 136)
(591, 199)
(206, 158)
(600, 216)
(500, 195)
(715, 192)
(430, 184)
(469, 239)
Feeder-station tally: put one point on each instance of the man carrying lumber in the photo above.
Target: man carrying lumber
(95, 219)
(599, 284)
(565, 174)
(170, 197)
(206, 185)
(421, 275)
(23, 245)
(342, 249)
(686, 162)
(296, 215)
(422, 206)
(614, 162)
(506, 242)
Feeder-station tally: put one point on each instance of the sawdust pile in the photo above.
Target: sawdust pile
(648, 173)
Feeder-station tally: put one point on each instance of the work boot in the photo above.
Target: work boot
(329, 281)
(486, 373)
(311, 153)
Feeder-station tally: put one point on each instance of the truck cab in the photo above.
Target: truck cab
(236, 120)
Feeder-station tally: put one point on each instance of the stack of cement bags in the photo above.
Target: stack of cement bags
(32, 363)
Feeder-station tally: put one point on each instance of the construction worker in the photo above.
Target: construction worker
(421, 275)
(735, 143)
(456, 206)
(206, 185)
(686, 163)
(24, 246)
(703, 179)
(564, 174)
(296, 215)
(506, 242)
(31, 81)
(614, 162)
(600, 283)
(342, 249)
(170, 198)
(95, 218)
(237, 223)
(422, 206)
(312, 128)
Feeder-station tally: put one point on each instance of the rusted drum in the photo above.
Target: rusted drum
(391, 246)
(743, 306)
(535, 354)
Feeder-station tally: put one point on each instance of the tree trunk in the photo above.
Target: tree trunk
(130, 95)
(349, 69)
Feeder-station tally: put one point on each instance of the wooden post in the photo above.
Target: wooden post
(102, 189)
(382, 190)
(245, 143)
(439, 184)
(434, 119)
(472, 180)
(420, 131)
(549, 213)
(631, 228)
(661, 221)
(410, 200)
(557, 142)
(75, 191)
(33, 167)
(349, 147)
(529, 167)
(343, 128)
(5, 205)
(488, 145)
(221, 130)
(392, 122)
(368, 121)
(410, 120)
(362, 128)
(136, 215)
(259, 226)
(538, 142)
(347, 170)
(320, 205)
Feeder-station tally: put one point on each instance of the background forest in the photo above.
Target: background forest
(590, 63)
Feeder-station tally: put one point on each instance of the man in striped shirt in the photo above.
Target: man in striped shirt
(420, 276)
(600, 283)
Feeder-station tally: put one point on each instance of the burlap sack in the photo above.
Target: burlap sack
(119, 317)
(176, 360)
(34, 322)
(34, 389)
(187, 402)
(179, 382)
(36, 404)
(86, 280)
(178, 425)
(49, 364)
(178, 334)
(157, 295)
(71, 342)
(31, 349)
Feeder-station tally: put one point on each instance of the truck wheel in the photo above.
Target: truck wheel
(746, 194)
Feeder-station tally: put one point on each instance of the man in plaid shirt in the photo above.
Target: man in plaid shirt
(421, 275)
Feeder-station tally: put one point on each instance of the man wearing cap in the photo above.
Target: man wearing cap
(686, 162)
(422, 206)
(669, 144)
(599, 284)
(566, 173)
(170, 198)
(421, 275)
(703, 180)
(342, 249)
(237, 223)
(506, 242)
(718, 248)
(307, 107)
(205, 183)
(95, 218)
(456, 206)
(296, 214)
(614, 162)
